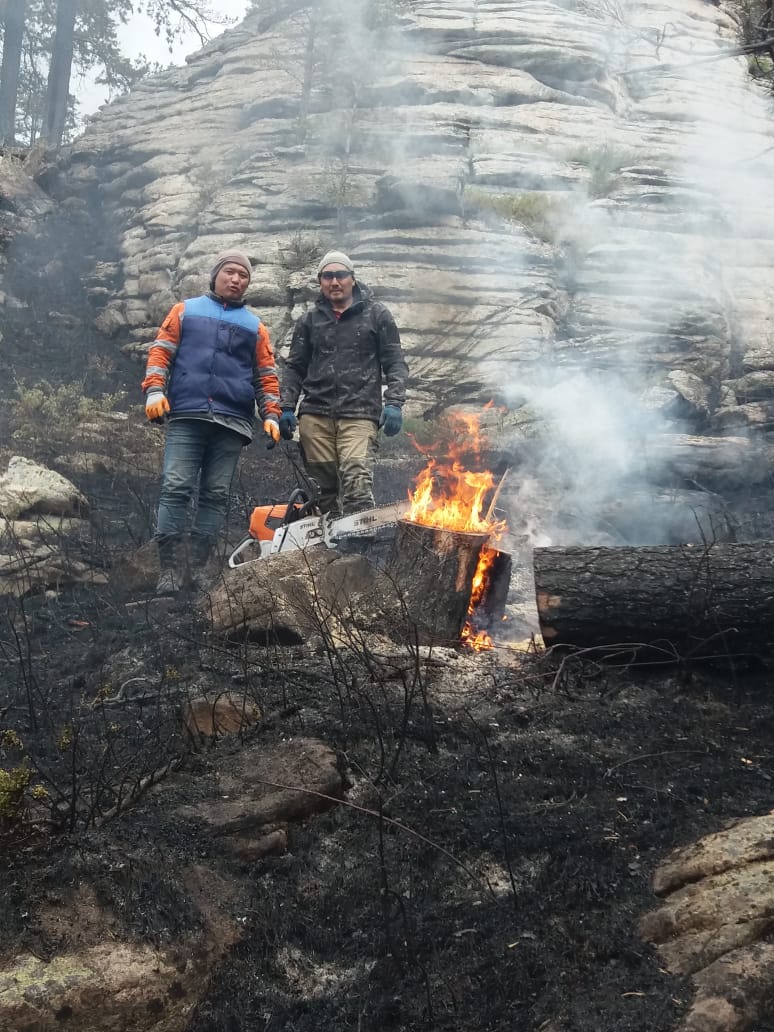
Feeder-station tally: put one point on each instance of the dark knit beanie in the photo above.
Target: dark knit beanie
(335, 258)
(230, 256)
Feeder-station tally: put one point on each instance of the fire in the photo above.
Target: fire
(478, 640)
(450, 496)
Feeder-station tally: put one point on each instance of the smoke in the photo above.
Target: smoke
(596, 429)
(654, 241)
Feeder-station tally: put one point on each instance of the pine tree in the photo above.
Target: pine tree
(59, 70)
(13, 35)
(45, 41)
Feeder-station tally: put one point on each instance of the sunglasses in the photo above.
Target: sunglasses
(339, 274)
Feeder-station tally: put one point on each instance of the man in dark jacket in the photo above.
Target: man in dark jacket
(209, 368)
(343, 350)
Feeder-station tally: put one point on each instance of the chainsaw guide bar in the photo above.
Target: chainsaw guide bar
(287, 528)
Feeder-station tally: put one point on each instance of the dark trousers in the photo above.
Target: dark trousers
(203, 453)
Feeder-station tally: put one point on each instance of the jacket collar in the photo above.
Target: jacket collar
(224, 301)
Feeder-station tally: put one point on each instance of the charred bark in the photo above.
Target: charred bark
(433, 570)
(683, 600)
(497, 582)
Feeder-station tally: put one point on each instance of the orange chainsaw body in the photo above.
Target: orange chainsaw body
(266, 519)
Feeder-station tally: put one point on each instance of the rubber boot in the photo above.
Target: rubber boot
(170, 580)
(200, 554)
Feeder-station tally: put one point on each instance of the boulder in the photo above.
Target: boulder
(211, 717)
(27, 488)
(288, 781)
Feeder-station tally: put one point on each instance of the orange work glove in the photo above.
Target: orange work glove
(156, 407)
(272, 430)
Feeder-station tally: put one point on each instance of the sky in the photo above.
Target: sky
(138, 37)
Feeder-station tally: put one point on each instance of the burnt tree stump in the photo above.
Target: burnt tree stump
(433, 570)
(688, 599)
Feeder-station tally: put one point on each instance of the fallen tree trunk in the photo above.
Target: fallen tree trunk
(680, 599)
(433, 570)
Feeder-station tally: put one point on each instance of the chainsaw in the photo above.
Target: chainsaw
(298, 524)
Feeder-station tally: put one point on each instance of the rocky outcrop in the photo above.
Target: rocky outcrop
(715, 922)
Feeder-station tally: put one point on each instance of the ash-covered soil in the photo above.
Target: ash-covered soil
(537, 813)
(487, 872)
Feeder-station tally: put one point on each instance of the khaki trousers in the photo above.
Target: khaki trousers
(340, 454)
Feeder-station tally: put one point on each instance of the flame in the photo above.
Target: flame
(450, 496)
(472, 638)
(447, 494)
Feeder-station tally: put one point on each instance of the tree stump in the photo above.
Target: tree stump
(685, 599)
(433, 570)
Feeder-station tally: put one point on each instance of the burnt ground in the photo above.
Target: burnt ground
(522, 814)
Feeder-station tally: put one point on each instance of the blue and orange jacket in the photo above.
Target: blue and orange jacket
(215, 356)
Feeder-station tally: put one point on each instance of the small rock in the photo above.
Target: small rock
(222, 715)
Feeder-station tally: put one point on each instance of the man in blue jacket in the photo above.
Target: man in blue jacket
(344, 350)
(209, 368)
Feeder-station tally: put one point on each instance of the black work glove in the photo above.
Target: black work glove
(287, 424)
(392, 420)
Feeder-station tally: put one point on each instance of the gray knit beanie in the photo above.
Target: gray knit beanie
(335, 258)
(230, 256)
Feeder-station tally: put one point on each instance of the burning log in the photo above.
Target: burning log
(453, 584)
(434, 570)
(678, 600)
